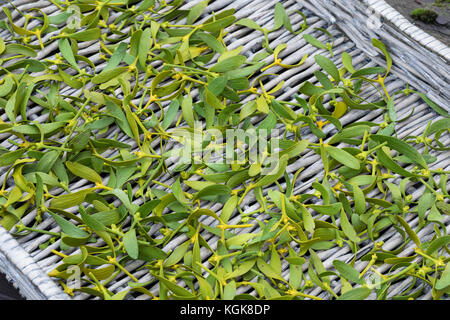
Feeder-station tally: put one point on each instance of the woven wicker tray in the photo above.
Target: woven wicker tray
(27, 265)
(419, 58)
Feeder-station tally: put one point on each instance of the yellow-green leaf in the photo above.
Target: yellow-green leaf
(84, 172)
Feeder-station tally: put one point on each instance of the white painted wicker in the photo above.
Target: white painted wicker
(419, 57)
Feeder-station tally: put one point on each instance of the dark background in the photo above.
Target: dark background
(7, 291)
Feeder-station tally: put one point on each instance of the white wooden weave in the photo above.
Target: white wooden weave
(419, 57)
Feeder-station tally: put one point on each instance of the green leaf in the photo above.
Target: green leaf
(281, 18)
(69, 200)
(29, 64)
(275, 174)
(150, 253)
(131, 121)
(329, 66)
(86, 35)
(16, 48)
(330, 209)
(308, 221)
(367, 71)
(196, 257)
(239, 240)
(75, 259)
(434, 214)
(444, 281)
(92, 222)
(275, 261)
(60, 18)
(18, 30)
(296, 148)
(269, 123)
(107, 218)
(244, 72)
(7, 86)
(347, 62)
(114, 110)
(9, 158)
(108, 74)
(439, 110)
(180, 291)
(212, 191)
(229, 64)
(246, 22)
(97, 227)
(343, 157)
(211, 42)
(283, 111)
(349, 132)
(117, 57)
(314, 41)
(380, 45)
(45, 128)
(144, 46)
(196, 11)
(241, 269)
(392, 165)
(441, 124)
(402, 147)
(396, 194)
(123, 197)
(67, 53)
(425, 203)
(205, 288)
(218, 24)
(172, 112)
(348, 272)
(360, 202)
(360, 293)
(348, 229)
(69, 80)
(130, 243)
(198, 185)
(84, 172)
(101, 273)
(178, 192)
(229, 290)
(212, 102)
(437, 244)
(247, 110)
(177, 254)
(217, 85)
(297, 261)
(268, 270)
(68, 227)
(228, 208)
(187, 111)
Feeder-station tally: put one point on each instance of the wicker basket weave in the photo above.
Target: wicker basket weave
(24, 262)
(419, 58)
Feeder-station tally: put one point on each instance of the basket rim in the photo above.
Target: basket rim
(33, 283)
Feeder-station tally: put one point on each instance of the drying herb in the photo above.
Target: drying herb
(99, 160)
